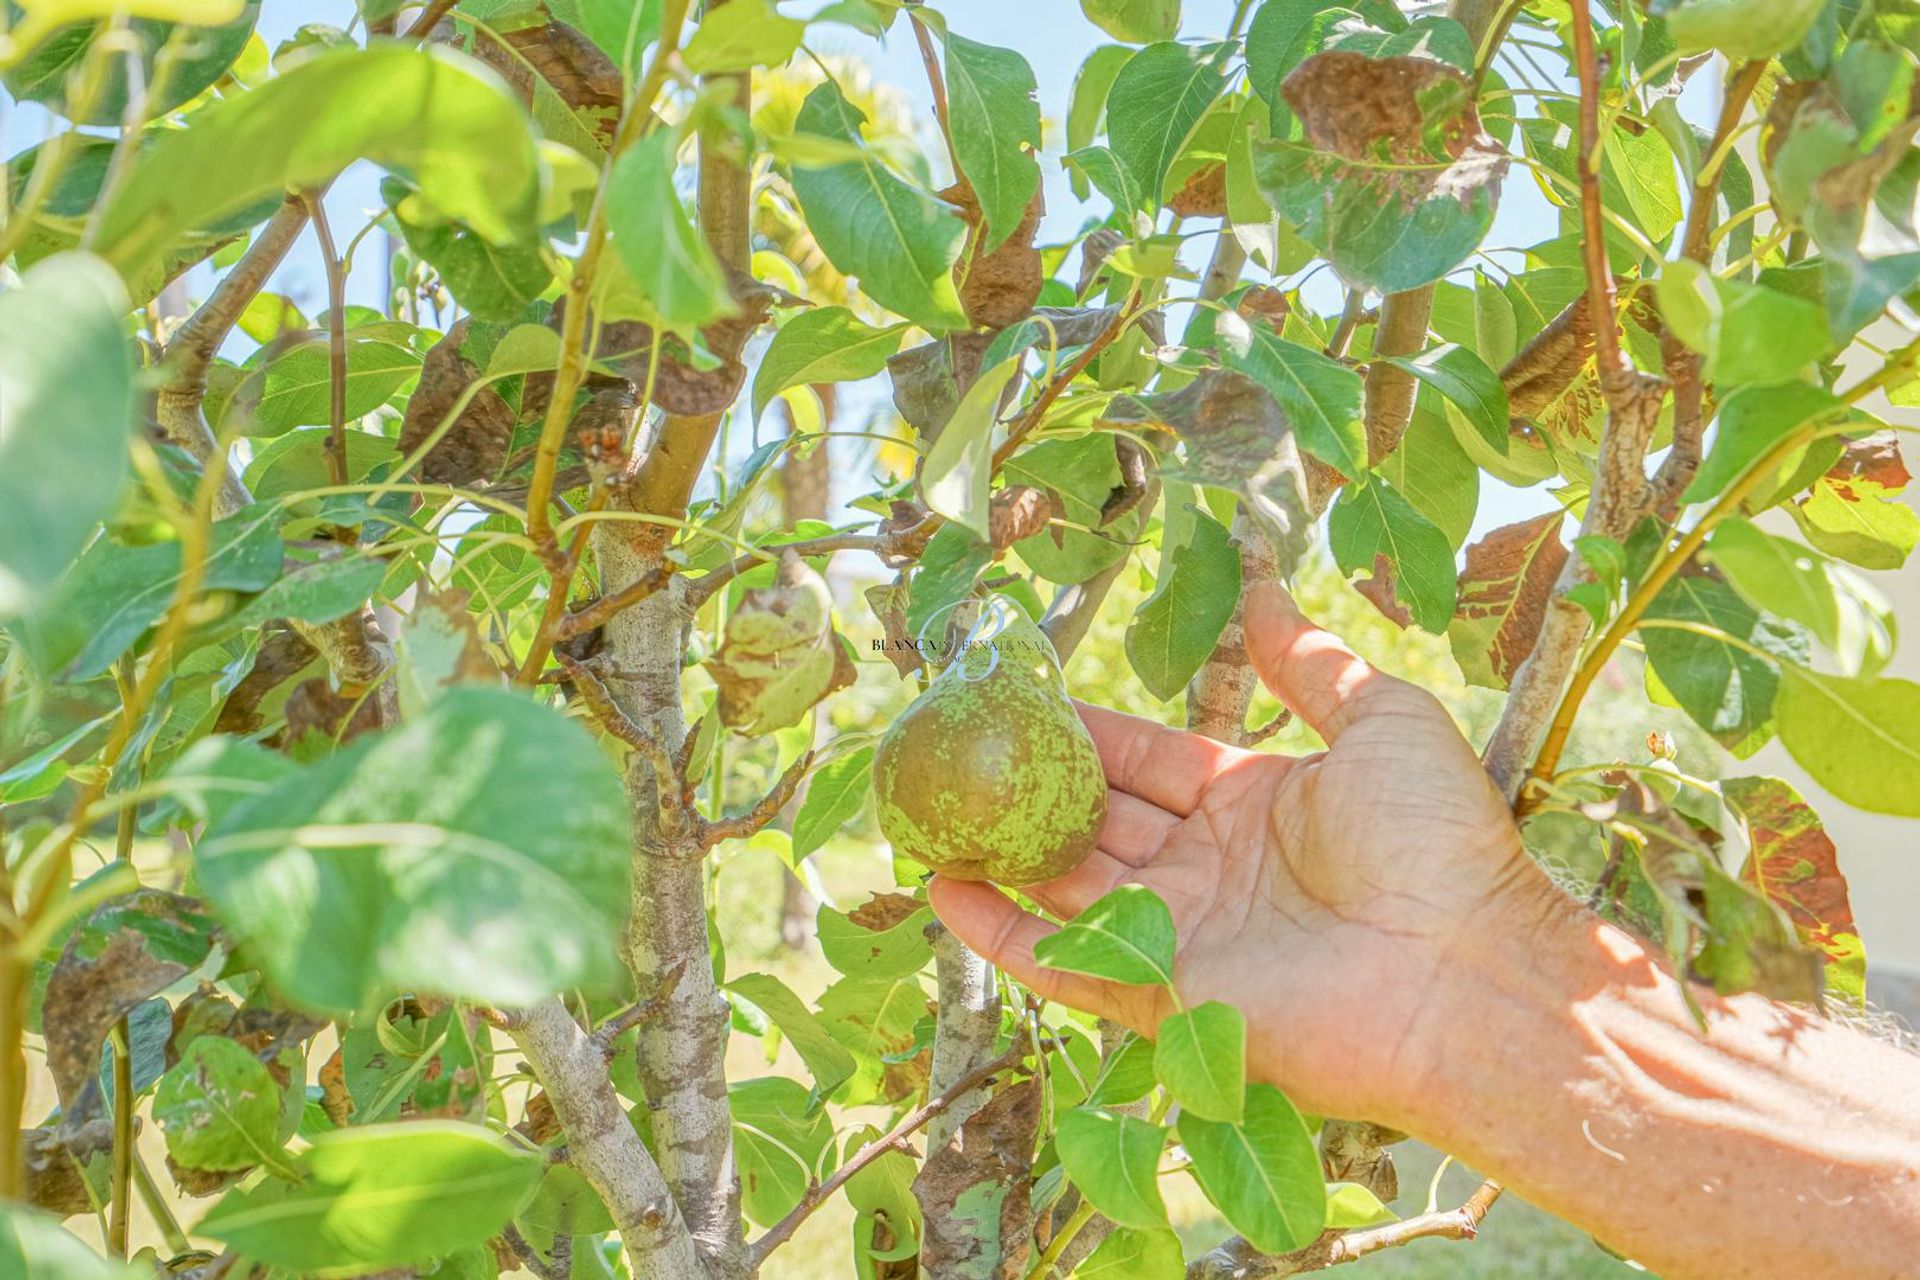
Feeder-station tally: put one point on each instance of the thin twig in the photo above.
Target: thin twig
(620, 725)
(1455, 1224)
(336, 445)
(634, 1014)
(1044, 401)
(895, 1139)
(702, 589)
(753, 820)
(598, 613)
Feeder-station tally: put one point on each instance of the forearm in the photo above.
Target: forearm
(1774, 1143)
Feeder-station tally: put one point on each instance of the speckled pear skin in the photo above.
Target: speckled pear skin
(990, 775)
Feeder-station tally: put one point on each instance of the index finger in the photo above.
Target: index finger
(1312, 670)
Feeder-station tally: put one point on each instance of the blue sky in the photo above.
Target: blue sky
(1054, 37)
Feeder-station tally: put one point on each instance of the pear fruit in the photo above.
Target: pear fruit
(989, 774)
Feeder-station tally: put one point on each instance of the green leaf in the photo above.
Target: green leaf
(1858, 738)
(1278, 38)
(1844, 613)
(220, 1108)
(1321, 396)
(295, 387)
(898, 239)
(1373, 520)
(958, 471)
(297, 461)
(857, 949)
(66, 384)
(992, 111)
(34, 1246)
(448, 123)
(622, 28)
(1200, 1055)
(1135, 1255)
(380, 1196)
(1114, 1159)
(1263, 1174)
(1155, 103)
(1748, 334)
(824, 344)
(411, 861)
(1431, 471)
(1638, 178)
(1727, 690)
(778, 1139)
(1126, 936)
(1084, 474)
(1858, 520)
(1744, 30)
(117, 591)
(834, 796)
(1350, 1205)
(670, 263)
(1088, 106)
(493, 281)
(1464, 378)
(1134, 21)
(194, 56)
(948, 569)
(525, 348)
(1751, 421)
(742, 34)
(1173, 632)
(830, 1061)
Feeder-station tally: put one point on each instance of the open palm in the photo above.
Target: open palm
(1321, 895)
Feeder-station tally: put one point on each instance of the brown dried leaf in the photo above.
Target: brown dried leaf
(1094, 252)
(1267, 305)
(997, 288)
(335, 1098)
(58, 1166)
(1132, 489)
(316, 708)
(475, 447)
(975, 1192)
(130, 949)
(1548, 365)
(283, 654)
(1015, 512)
(888, 600)
(573, 65)
(1504, 594)
(1792, 860)
(1875, 459)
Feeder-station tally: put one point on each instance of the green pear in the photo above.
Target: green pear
(990, 775)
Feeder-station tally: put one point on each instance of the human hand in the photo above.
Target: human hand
(1326, 896)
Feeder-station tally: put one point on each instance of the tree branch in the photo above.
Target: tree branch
(895, 1139)
(764, 811)
(604, 1145)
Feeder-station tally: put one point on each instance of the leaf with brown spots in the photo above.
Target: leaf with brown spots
(129, 950)
(975, 1193)
(1504, 594)
(1792, 860)
(1379, 591)
(1204, 195)
(781, 655)
(883, 911)
(1395, 181)
(1015, 512)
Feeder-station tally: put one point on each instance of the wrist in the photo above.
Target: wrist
(1502, 996)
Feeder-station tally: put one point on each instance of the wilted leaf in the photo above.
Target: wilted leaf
(1372, 520)
(1504, 594)
(781, 655)
(1792, 860)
